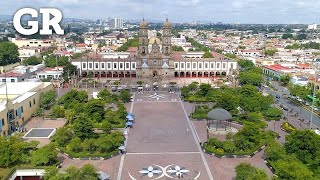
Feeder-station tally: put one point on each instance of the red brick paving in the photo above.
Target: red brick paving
(109, 166)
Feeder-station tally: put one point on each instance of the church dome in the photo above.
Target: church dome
(143, 24)
(167, 23)
(153, 40)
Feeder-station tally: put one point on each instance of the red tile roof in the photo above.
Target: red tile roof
(277, 67)
(11, 74)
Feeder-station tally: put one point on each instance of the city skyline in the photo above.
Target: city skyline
(229, 11)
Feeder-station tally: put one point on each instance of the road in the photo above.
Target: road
(280, 90)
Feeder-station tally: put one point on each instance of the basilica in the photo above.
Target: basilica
(154, 59)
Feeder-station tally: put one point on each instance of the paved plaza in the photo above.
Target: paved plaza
(162, 142)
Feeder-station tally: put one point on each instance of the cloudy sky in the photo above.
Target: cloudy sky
(228, 11)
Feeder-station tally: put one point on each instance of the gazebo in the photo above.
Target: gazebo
(219, 119)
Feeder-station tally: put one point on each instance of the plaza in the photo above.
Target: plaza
(162, 138)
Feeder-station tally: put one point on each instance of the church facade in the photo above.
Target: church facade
(154, 59)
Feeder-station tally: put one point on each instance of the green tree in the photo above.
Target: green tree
(68, 71)
(89, 172)
(47, 99)
(125, 96)
(9, 53)
(106, 126)
(53, 61)
(63, 136)
(287, 36)
(246, 171)
(273, 114)
(305, 145)
(249, 77)
(177, 48)
(72, 97)
(44, 156)
(83, 127)
(95, 109)
(207, 54)
(105, 95)
(292, 169)
(301, 36)
(140, 83)
(57, 111)
(13, 151)
(275, 151)
(270, 52)
(204, 89)
(285, 79)
(228, 101)
(219, 51)
(33, 60)
(130, 43)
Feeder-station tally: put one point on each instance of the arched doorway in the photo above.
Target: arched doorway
(194, 74)
(154, 73)
(206, 74)
(176, 74)
(181, 74)
(188, 74)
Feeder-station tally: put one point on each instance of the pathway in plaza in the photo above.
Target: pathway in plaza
(162, 143)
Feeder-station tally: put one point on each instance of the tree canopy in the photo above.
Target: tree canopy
(9, 53)
(246, 171)
(33, 60)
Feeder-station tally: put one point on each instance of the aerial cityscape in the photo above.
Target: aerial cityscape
(160, 90)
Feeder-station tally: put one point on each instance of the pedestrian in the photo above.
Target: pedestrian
(187, 130)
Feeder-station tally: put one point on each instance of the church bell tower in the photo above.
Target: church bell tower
(166, 38)
(143, 38)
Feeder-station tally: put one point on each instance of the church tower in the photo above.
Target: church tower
(143, 38)
(166, 38)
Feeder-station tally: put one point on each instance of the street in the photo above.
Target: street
(303, 113)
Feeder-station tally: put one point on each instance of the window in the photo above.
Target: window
(194, 65)
(121, 65)
(182, 65)
(133, 65)
(188, 65)
(231, 65)
(206, 65)
(109, 65)
(3, 80)
(90, 65)
(155, 62)
(200, 65)
(29, 103)
(212, 65)
(97, 66)
(102, 65)
(13, 80)
(21, 108)
(218, 65)
(115, 65)
(223, 65)
(127, 65)
(176, 65)
(2, 121)
(34, 101)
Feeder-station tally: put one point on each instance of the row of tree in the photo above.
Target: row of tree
(298, 158)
